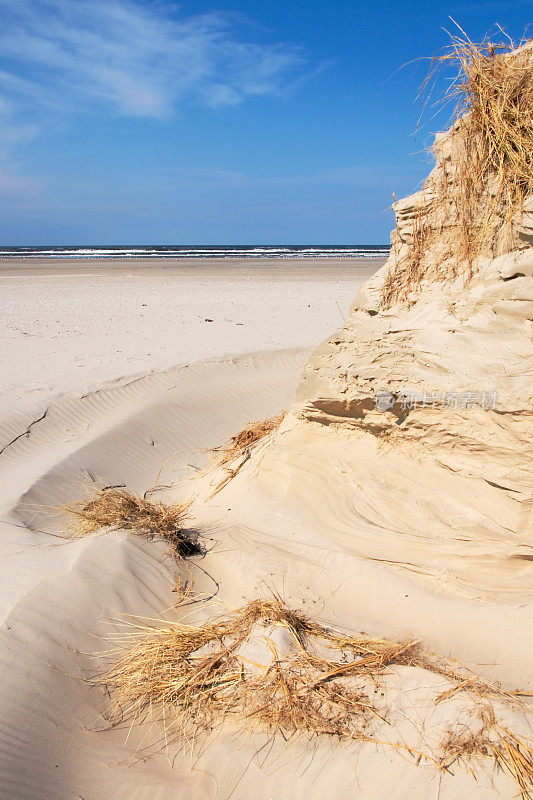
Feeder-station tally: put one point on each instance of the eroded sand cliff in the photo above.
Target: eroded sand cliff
(404, 463)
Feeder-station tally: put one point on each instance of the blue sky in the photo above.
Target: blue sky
(224, 122)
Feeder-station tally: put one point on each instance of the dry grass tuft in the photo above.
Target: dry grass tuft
(194, 677)
(245, 439)
(480, 190)
(118, 509)
(466, 744)
(491, 738)
(240, 447)
(495, 91)
(495, 135)
(514, 755)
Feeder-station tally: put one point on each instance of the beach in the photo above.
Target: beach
(131, 374)
(100, 389)
(70, 325)
(128, 374)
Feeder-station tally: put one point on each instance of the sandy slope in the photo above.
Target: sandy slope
(60, 600)
(55, 598)
(429, 507)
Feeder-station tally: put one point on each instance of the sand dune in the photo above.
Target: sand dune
(64, 602)
(57, 598)
(376, 516)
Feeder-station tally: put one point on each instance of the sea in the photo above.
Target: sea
(208, 251)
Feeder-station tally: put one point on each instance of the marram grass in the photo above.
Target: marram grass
(477, 195)
(193, 678)
(119, 509)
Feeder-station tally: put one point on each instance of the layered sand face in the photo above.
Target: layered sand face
(412, 516)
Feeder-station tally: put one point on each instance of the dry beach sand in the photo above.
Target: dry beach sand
(136, 385)
(69, 325)
(362, 615)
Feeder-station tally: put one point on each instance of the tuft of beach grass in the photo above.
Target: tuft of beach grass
(193, 678)
(233, 454)
(119, 509)
(479, 194)
(249, 436)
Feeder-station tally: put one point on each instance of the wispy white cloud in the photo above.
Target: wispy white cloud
(137, 59)
(13, 185)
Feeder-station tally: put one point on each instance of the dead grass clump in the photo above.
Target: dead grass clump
(119, 509)
(484, 170)
(194, 677)
(496, 92)
(239, 444)
(491, 738)
(494, 141)
(233, 454)
(469, 741)
(514, 755)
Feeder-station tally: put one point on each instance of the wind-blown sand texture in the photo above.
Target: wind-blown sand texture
(58, 596)
(57, 599)
(68, 327)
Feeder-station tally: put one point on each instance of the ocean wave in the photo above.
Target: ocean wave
(336, 251)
